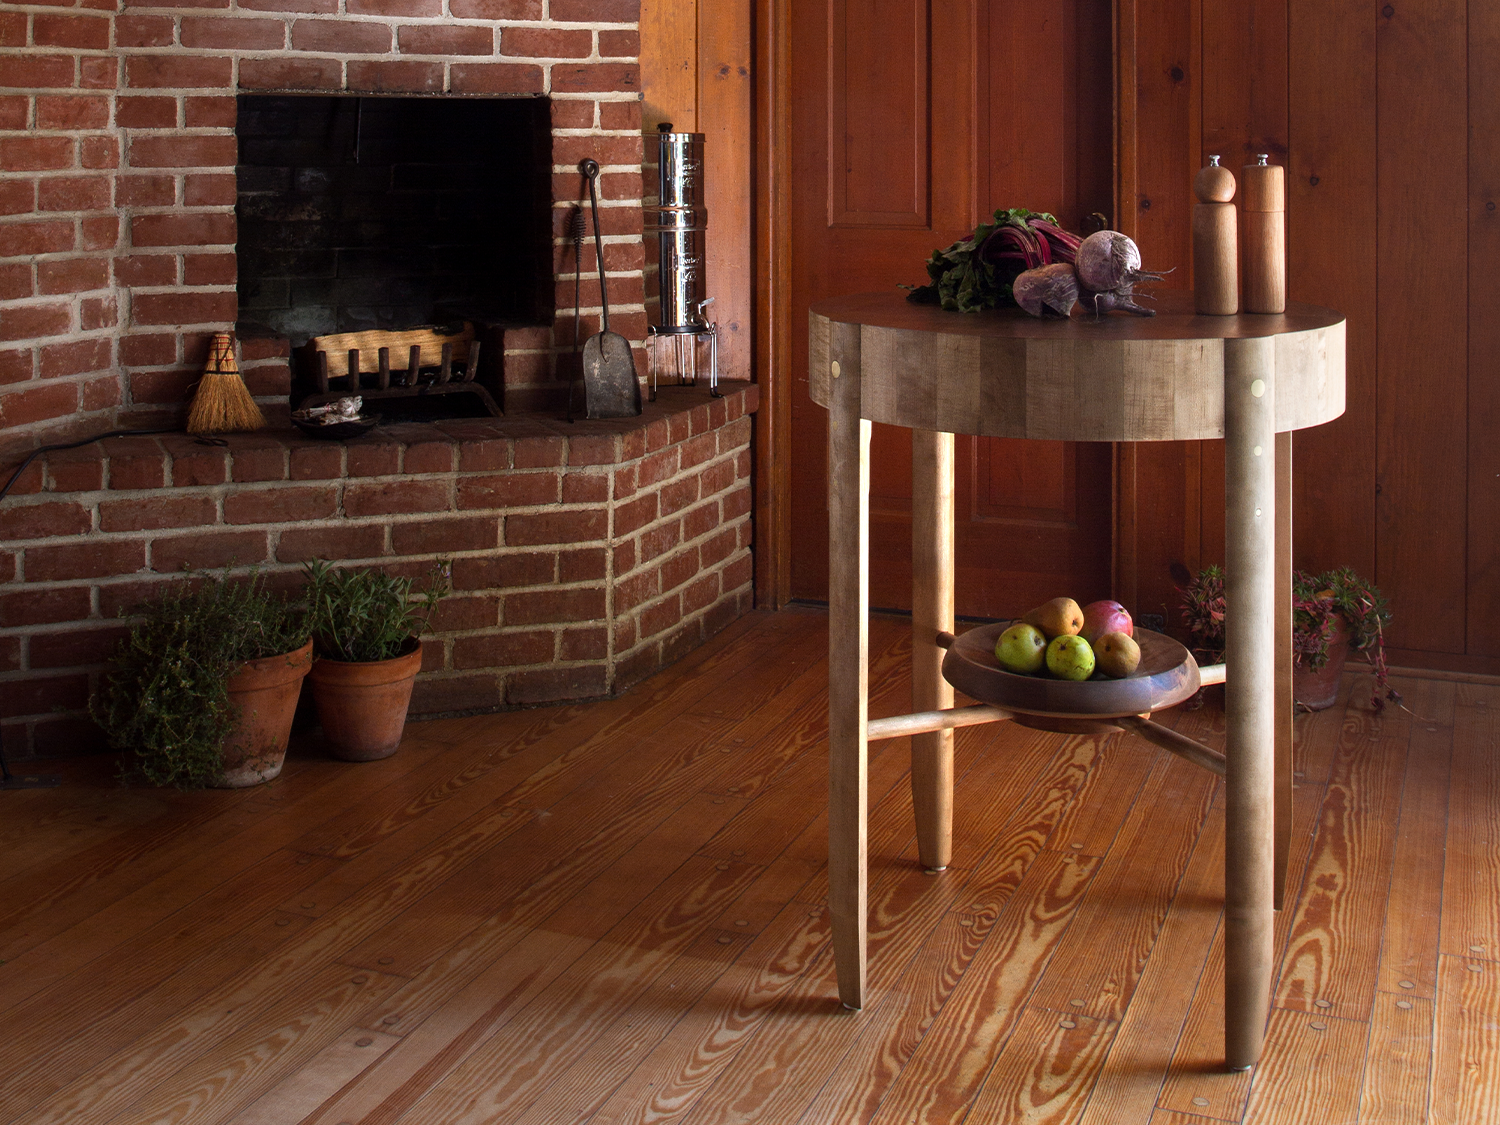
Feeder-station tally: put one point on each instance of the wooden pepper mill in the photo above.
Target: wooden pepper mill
(1216, 289)
(1263, 220)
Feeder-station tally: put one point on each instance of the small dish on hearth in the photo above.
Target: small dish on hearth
(334, 420)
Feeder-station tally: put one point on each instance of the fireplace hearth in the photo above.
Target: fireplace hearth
(585, 556)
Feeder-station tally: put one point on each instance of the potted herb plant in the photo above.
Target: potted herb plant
(365, 626)
(1333, 613)
(203, 690)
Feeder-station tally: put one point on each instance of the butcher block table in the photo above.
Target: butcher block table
(1249, 379)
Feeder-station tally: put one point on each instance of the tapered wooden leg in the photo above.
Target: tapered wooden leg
(1250, 735)
(1284, 705)
(848, 652)
(932, 612)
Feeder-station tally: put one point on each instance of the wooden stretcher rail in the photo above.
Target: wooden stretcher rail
(1179, 744)
(898, 726)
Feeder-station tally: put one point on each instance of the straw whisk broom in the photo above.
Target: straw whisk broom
(222, 403)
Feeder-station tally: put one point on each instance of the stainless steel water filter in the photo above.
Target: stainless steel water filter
(679, 220)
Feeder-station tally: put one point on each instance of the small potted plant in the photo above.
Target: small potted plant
(203, 690)
(365, 626)
(1333, 614)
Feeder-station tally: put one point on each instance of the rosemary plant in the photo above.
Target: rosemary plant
(362, 614)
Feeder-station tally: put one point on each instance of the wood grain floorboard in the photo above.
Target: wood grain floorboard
(1045, 1073)
(1333, 951)
(1310, 1071)
(855, 1088)
(1414, 908)
(1130, 895)
(611, 914)
(945, 1072)
(704, 1041)
(1197, 1070)
(1398, 1061)
(1149, 1030)
(102, 1006)
(1471, 876)
(1466, 1050)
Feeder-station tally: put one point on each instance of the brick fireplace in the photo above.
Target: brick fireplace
(585, 555)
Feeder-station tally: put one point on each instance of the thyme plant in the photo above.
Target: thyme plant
(165, 701)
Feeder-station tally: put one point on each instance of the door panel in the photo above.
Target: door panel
(913, 120)
(878, 112)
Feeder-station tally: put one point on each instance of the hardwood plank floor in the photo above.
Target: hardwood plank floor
(613, 914)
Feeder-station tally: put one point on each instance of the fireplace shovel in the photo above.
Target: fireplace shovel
(611, 387)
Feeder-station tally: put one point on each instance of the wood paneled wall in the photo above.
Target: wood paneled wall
(696, 73)
(1386, 119)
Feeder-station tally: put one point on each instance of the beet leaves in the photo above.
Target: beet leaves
(977, 272)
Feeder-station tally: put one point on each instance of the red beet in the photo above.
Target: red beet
(1048, 291)
(1109, 266)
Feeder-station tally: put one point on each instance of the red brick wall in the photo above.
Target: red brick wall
(117, 184)
(584, 557)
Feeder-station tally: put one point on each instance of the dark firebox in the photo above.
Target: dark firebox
(359, 212)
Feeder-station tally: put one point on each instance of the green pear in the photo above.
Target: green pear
(1061, 617)
(1022, 649)
(1069, 657)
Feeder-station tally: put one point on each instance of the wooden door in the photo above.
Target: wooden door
(911, 120)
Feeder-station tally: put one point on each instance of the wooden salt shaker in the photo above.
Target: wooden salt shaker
(1263, 219)
(1216, 290)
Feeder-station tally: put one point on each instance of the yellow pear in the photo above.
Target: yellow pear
(1117, 655)
(1061, 617)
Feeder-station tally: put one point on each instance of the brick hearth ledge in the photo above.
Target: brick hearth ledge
(585, 556)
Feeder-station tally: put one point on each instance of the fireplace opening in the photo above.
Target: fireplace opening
(373, 212)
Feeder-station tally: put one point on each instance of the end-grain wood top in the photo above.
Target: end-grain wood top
(1121, 378)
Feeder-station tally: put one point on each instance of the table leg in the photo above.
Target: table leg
(1250, 700)
(848, 663)
(1284, 705)
(932, 612)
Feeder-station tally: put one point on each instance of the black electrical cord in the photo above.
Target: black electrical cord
(39, 450)
(9, 780)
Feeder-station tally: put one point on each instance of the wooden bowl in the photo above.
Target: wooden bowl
(1167, 675)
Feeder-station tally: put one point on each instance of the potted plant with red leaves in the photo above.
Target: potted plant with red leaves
(1333, 614)
(365, 626)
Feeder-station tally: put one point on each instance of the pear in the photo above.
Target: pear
(1117, 655)
(1069, 657)
(1060, 617)
(1021, 649)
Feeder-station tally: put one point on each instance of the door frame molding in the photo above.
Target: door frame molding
(771, 255)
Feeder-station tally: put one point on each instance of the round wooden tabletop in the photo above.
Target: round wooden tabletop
(1002, 373)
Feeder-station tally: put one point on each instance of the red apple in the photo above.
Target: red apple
(1105, 617)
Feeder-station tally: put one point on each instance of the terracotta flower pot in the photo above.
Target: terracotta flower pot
(265, 691)
(362, 705)
(1318, 690)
